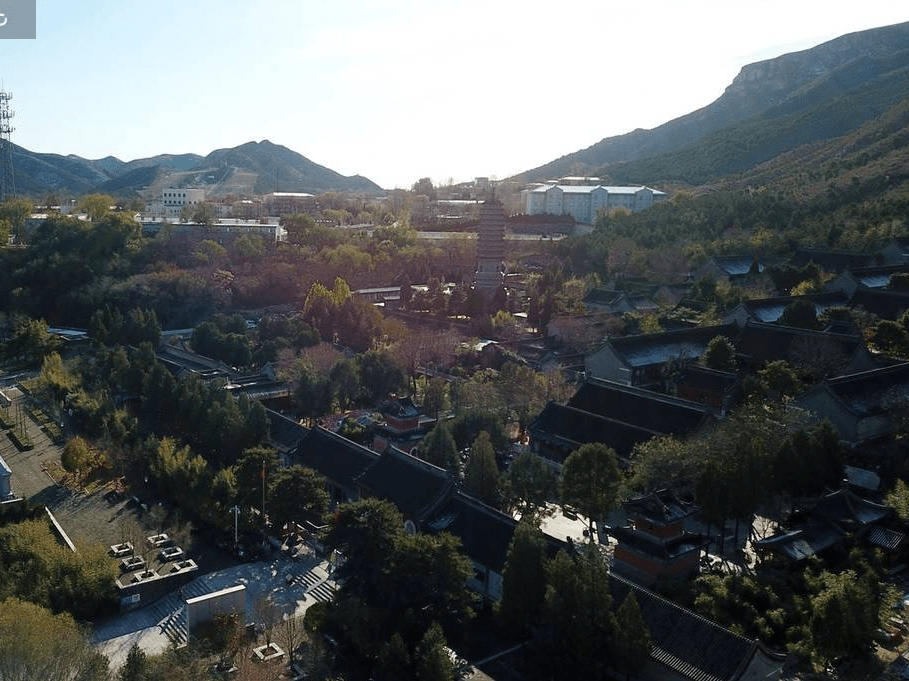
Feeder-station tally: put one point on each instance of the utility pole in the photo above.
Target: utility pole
(236, 511)
(264, 523)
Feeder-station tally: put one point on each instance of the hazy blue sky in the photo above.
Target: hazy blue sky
(394, 91)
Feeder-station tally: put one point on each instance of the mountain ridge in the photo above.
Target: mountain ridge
(247, 169)
(759, 86)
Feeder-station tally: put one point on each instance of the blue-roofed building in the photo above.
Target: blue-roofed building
(641, 360)
(769, 310)
(729, 268)
(855, 278)
(860, 405)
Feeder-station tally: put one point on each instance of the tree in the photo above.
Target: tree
(526, 391)
(366, 532)
(467, 426)
(209, 252)
(32, 341)
(203, 213)
(406, 292)
(843, 616)
(291, 634)
(482, 473)
(394, 659)
(254, 467)
(530, 484)
(800, 313)
(898, 499)
(632, 641)
(249, 247)
(344, 381)
(394, 581)
(590, 482)
(311, 393)
(35, 644)
(181, 475)
(808, 461)
(426, 581)
(523, 579)
(297, 226)
(15, 211)
(178, 664)
(35, 566)
(296, 493)
(780, 378)
(435, 397)
(578, 623)
(720, 354)
(379, 375)
(96, 206)
(55, 376)
(439, 448)
(136, 666)
(432, 660)
(891, 338)
(425, 187)
(76, 457)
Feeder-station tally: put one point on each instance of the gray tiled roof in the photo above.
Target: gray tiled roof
(411, 484)
(332, 456)
(686, 642)
(643, 409)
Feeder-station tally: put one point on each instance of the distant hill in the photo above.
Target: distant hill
(264, 167)
(771, 107)
(251, 168)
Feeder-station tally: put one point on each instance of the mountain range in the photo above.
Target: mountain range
(251, 168)
(846, 96)
(772, 107)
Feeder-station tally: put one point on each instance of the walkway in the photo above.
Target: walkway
(292, 585)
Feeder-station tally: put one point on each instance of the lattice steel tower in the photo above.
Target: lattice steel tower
(7, 179)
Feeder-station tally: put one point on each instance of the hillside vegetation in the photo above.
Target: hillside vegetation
(795, 91)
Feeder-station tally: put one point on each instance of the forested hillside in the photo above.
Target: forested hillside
(771, 106)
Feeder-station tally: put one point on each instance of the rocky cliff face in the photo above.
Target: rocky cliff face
(770, 82)
(757, 88)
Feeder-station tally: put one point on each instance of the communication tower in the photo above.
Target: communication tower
(7, 179)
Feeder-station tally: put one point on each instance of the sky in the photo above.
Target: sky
(393, 91)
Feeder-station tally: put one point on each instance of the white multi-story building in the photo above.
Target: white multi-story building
(585, 202)
(173, 200)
